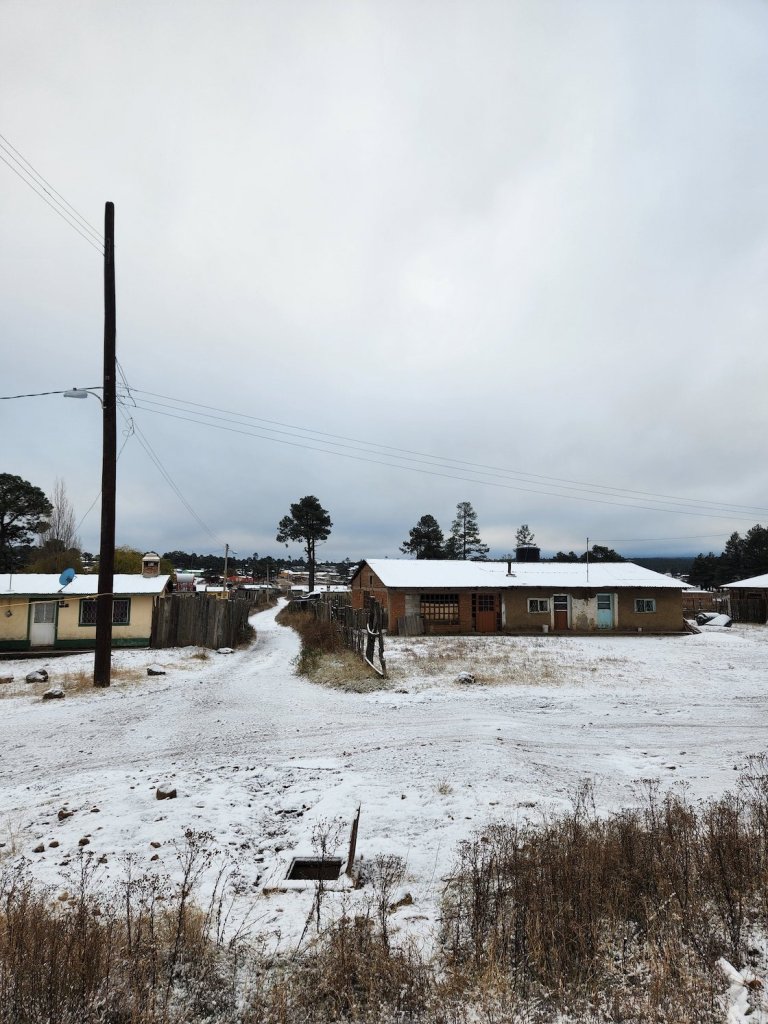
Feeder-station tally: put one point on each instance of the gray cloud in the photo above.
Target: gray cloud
(530, 236)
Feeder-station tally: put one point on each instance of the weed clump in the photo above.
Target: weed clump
(324, 659)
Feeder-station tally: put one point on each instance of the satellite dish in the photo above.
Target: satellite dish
(66, 577)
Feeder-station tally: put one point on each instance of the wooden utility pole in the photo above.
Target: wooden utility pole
(102, 664)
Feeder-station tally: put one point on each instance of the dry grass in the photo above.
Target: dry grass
(200, 656)
(324, 659)
(599, 920)
(507, 663)
(626, 914)
(74, 681)
(344, 670)
(11, 832)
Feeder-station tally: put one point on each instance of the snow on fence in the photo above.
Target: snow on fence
(201, 620)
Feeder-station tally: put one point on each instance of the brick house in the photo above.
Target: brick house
(491, 597)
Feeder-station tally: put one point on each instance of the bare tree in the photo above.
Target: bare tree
(59, 543)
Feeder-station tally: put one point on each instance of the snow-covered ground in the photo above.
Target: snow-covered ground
(260, 756)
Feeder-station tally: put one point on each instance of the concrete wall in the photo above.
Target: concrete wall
(668, 617)
(70, 633)
(13, 627)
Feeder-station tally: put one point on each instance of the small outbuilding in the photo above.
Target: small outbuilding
(447, 596)
(749, 599)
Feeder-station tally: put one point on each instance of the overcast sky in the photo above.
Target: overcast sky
(525, 242)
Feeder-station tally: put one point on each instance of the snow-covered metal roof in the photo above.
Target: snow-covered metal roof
(754, 583)
(36, 584)
(421, 573)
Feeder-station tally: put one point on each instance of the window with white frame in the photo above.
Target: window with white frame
(121, 611)
(645, 604)
(538, 605)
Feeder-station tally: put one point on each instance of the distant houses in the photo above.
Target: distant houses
(443, 596)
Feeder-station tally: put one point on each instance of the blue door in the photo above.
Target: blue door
(605, 611)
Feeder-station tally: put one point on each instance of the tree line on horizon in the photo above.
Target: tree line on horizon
(427, 540)
(39, 534)
(741, 559)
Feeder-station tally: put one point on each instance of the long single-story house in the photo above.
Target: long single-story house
(491, 597)
(749, 599)
(37, 611)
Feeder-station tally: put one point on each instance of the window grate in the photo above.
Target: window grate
(442, 608)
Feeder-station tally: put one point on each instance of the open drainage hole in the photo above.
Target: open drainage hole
(316, 869)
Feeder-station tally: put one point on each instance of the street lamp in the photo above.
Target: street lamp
(82, 393)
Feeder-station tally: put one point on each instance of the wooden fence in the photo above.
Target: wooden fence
(361, 629)
(202, 620)
(749, 609)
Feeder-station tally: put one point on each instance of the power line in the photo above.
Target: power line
(440, 461)
(56, 209)
(729, 511)
(22, 159)
(434, 472)
(155, 459)
(128, 433)
(169, 480)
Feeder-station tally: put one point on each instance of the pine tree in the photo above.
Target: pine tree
(425, 539)
(731, 562)
(524, 537)
(703, 572)
(755, 552)
(464, 542)
(308, 522)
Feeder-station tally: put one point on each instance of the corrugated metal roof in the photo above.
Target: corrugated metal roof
(35, 584)
(421, 573)
(754, 583)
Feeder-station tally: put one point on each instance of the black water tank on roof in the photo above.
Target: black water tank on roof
(527, 553)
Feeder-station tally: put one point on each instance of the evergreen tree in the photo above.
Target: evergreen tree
(464, 541)
(561, 556)
(24, 511)
(731, 562)
(598, 553)
(755, 552)
(308, 522)
(704, 571)
(524, 537)
(425, 539)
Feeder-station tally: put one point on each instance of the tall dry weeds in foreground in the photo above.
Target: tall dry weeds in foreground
(627, 913)
(592, 919)
(141, 954)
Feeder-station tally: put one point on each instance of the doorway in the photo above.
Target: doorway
(560, 604)
(486, 613)
(605, 611)
(42, 625)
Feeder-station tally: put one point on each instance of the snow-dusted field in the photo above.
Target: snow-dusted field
(259, 756)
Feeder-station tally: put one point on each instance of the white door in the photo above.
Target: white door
(42, 628)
